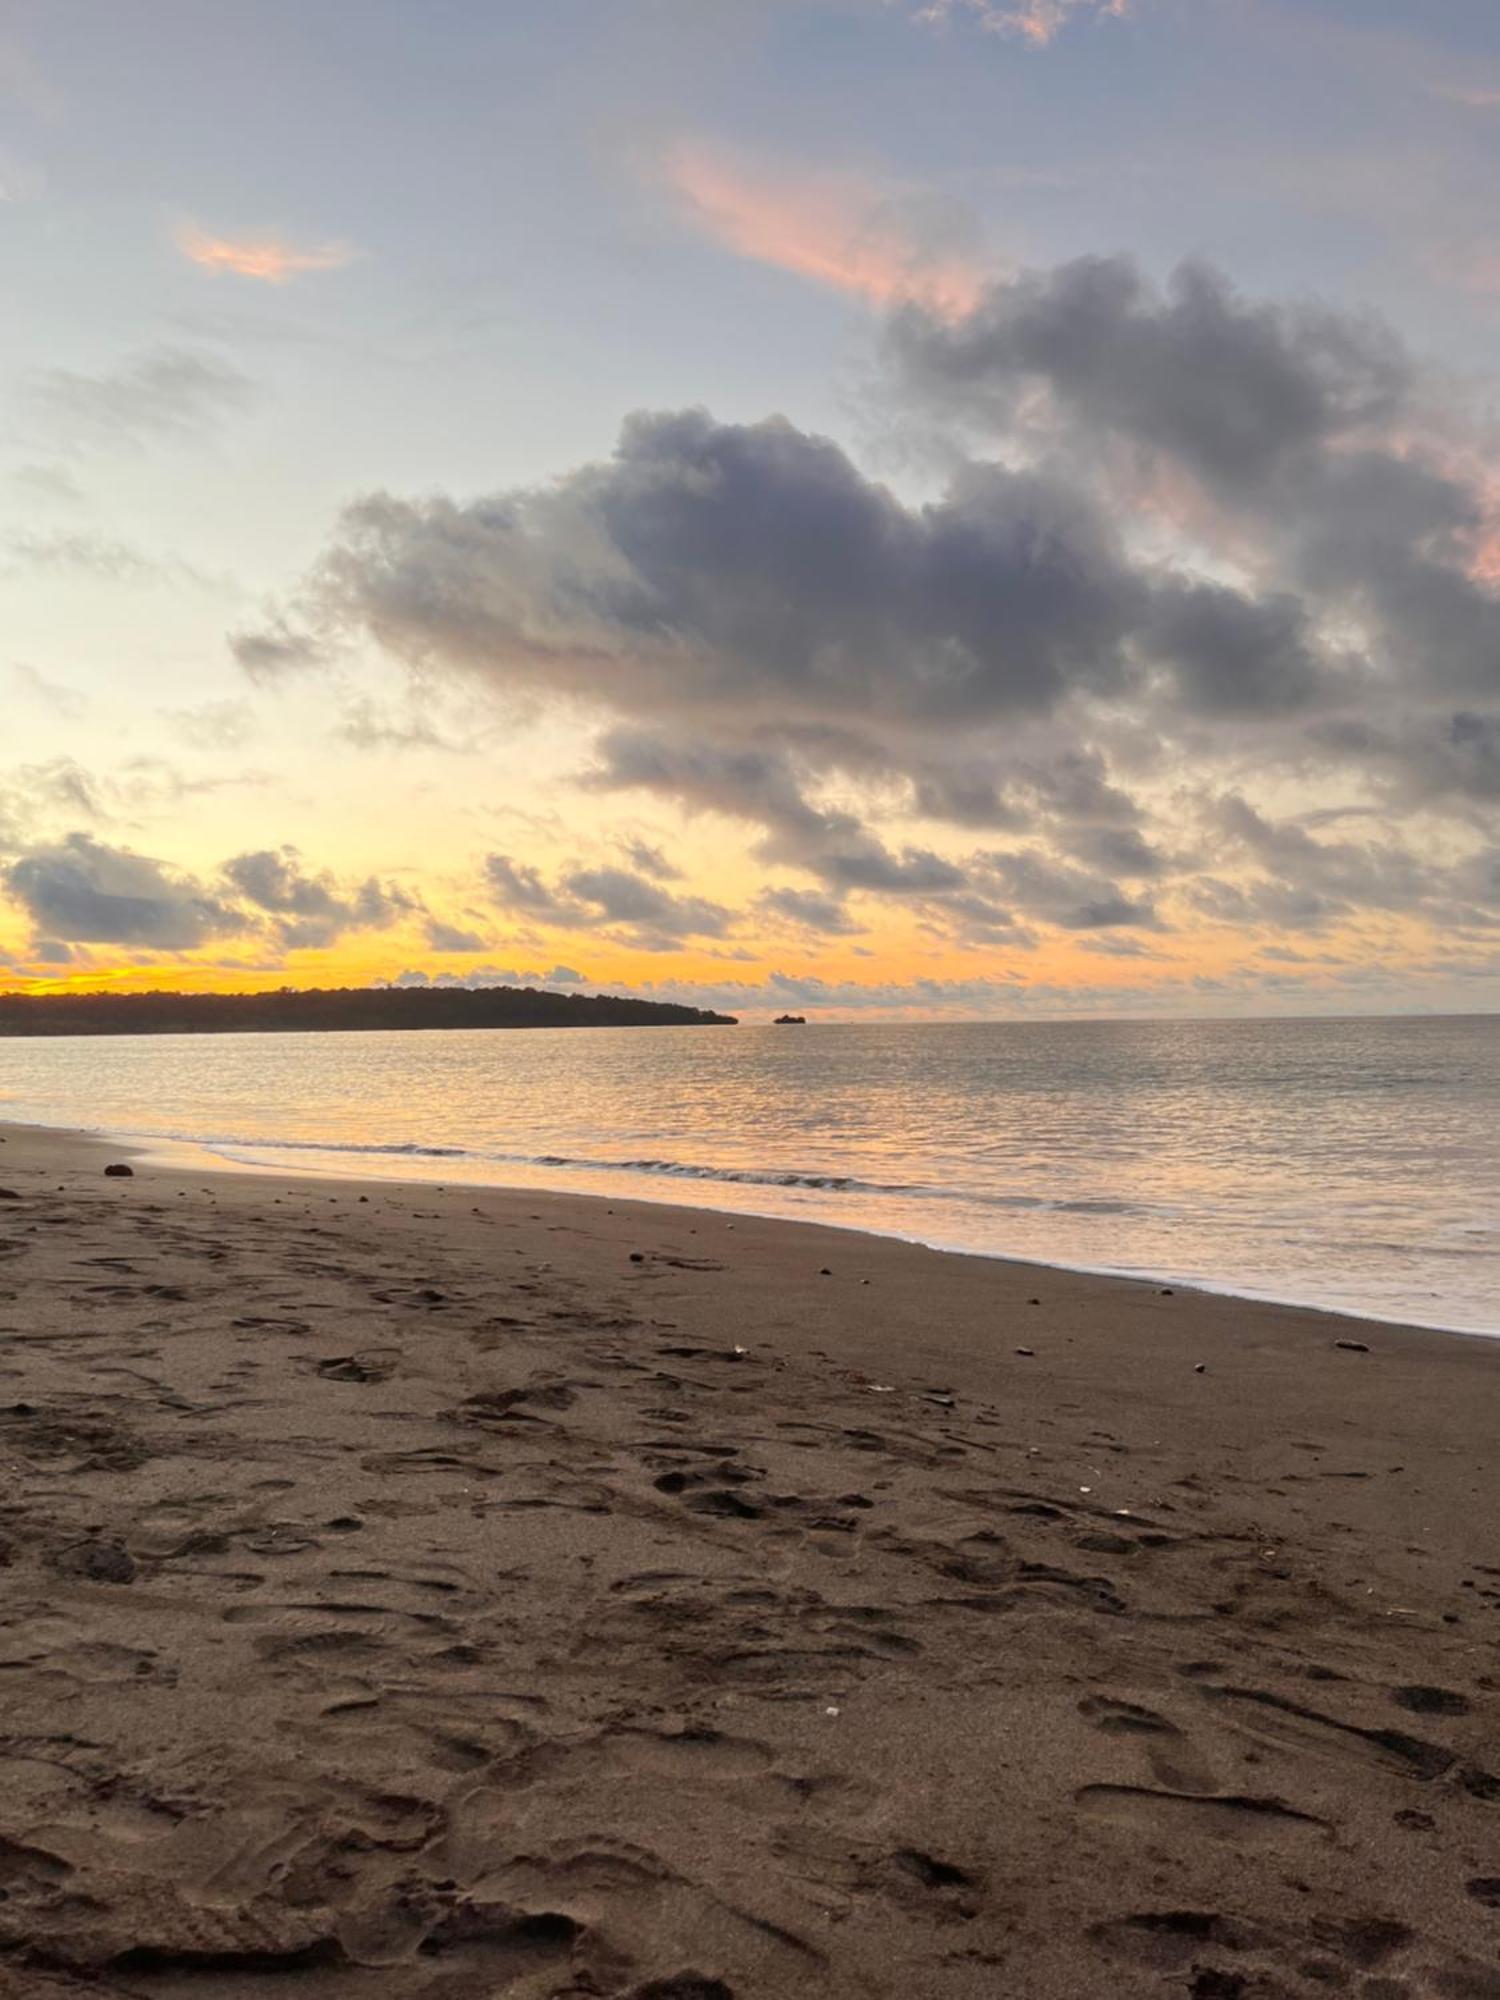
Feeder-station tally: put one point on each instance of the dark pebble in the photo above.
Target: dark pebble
(9, 1194)
(119, 1172)
(100, 1562)
(637, 1256)
(1027, 1351)
(1352, 1346)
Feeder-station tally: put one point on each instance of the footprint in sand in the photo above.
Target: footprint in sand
(1175, 1817)
(1169, 1753)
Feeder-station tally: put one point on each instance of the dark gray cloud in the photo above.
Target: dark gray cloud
(763, 785)
(79, 891)
(1189, 542)
(449, 937)
(312, 909)
(1054, 892)
(739, 569)
(647, 915)
(1228, 388)
(1233, 654)
(809, 910)
(1301, 445)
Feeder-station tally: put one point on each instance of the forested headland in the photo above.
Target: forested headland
(339, 1009)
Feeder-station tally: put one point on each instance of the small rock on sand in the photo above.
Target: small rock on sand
(118, 1171)
(100, 1562)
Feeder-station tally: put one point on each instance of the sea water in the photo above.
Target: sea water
(1344, 1163)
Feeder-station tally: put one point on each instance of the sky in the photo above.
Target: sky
(894, 508)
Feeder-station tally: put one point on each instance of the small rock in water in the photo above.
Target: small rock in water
(637, 1256)
(825, 1272)
(1167, 1292)
(9, 1194)
(1033, 1302)
(120, 1172)
(1352, 1346)
(1200, 1367)
(1028, 1351)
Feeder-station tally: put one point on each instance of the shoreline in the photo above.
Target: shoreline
(433, 1595)
(203, 1156)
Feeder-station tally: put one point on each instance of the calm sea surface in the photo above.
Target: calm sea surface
(1343, 1163)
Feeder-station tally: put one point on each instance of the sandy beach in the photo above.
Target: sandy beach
(452, 1594)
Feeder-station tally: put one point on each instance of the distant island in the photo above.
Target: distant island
(337, 1009)
(790, 1021)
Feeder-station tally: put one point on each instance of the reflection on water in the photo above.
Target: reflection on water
(1345, 1163)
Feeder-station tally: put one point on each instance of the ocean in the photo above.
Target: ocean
(1343, 1163)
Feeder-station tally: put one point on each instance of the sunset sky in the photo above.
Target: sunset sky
(985, 507)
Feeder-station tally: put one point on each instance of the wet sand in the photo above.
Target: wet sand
(454, 1594)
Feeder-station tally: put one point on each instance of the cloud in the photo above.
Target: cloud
(92, 554)
(730, 567)
(80, 891)
(63, 700)
(649, 860)
(808, 910)
(1054, 892)
(212, 725)
(448, 937)
(1472, 97)
(275, 649)
(1191, 545)
(645, 914)
(836, 230)
(1037, 22)
(1231, 391)
(165, 393)
(491, 975)
(36, 798)
(312, 910)
(269, 259)
(51, 483)
(369, 726)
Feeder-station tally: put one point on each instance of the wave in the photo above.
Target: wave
(745, 1176)
(812, 1180)
(218, 1141)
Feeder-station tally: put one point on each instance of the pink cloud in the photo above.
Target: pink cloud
(265, 258)
(1038, 22)
(1472, 98)
(835, 230)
